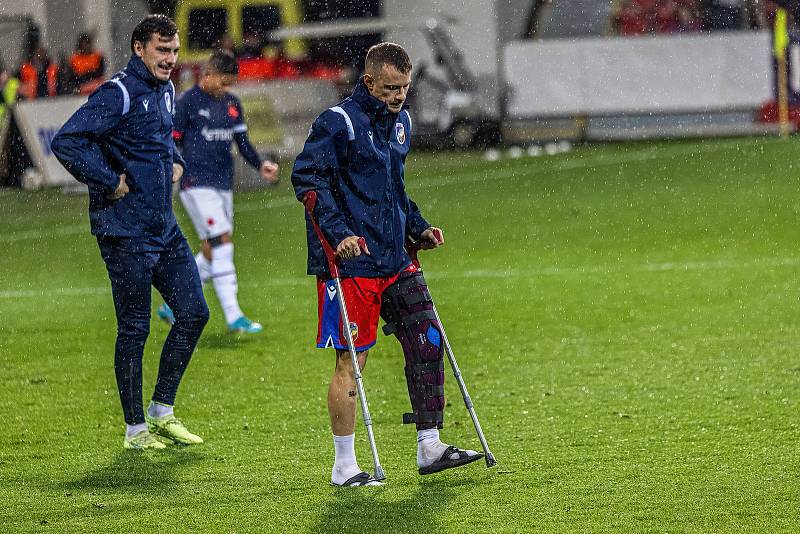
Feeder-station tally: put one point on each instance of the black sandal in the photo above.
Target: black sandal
(446, 462)
(361, 479)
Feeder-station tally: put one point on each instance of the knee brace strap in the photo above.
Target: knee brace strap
(424, 418)
(415, 374)
(410, 320)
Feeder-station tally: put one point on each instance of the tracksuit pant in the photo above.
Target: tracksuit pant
(173, 272)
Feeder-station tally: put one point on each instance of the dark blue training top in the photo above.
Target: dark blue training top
(354, 158)
(205, 127)
(125, 127)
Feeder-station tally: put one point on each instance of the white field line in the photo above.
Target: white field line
(457, 178)
(254, 205)
(588, 162)
(689, 266)
(24, 235)
(299, 281)
(47, 233)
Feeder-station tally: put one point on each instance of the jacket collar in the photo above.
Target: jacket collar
(137, 68)
(369, 104)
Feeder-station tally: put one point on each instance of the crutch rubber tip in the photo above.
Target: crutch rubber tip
(379, 475)
(490, 461)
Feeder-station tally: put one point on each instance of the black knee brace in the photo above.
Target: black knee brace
(407, 309)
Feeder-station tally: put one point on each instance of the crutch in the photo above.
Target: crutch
(413, 248)
(309, 201)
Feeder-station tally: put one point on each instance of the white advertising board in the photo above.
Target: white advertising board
(635, 75)
(38, 122)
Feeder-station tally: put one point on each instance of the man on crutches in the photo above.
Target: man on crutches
(353, 163)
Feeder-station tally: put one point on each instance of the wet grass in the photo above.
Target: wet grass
(625, 317)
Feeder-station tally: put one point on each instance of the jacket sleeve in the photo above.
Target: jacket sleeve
(317, 168)
(77, 143)
(415, 222)
(246, 149)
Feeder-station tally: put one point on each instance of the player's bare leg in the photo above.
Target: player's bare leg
(342, 411)
(206, 245)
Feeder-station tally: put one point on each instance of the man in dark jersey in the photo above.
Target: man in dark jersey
(207, 120)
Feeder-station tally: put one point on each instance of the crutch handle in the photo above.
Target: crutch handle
(413, 247)
(309, 200)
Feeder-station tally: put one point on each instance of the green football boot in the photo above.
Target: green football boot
(141, 441)
(172, 428)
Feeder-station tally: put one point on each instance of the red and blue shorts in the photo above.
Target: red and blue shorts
(363, 299)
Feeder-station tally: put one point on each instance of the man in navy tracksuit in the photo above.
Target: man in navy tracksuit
(120, 144)
(354, 159)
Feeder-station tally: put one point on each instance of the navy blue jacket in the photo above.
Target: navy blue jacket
(354, 158)
(205, 127)
(125, 127)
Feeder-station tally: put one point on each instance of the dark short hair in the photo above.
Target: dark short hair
(387, 54)
(223, 62)
(160, 24)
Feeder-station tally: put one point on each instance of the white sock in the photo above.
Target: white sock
(429, 447)
(224, 277)
(156, 409)
(203, 267)
(344, 464)
(132, 430)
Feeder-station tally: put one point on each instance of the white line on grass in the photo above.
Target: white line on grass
(43, 233)
(23, 235)
(589, 162)
(255, 205)
(688, 266)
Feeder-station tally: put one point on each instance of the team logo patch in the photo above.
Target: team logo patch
(400, 133)
(168, 101)
(233, 112)
(354, 331)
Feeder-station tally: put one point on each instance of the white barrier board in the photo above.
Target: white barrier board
(658, 74)
(38, 122)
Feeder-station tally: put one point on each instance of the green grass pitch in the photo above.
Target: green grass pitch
(625, 317)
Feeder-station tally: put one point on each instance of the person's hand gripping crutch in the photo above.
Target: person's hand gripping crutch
(350, 247)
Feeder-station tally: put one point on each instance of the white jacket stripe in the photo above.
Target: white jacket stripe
(351, 134)
(126, 99)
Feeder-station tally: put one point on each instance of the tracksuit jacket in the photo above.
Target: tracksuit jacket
(354, 158)
(125, 127)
